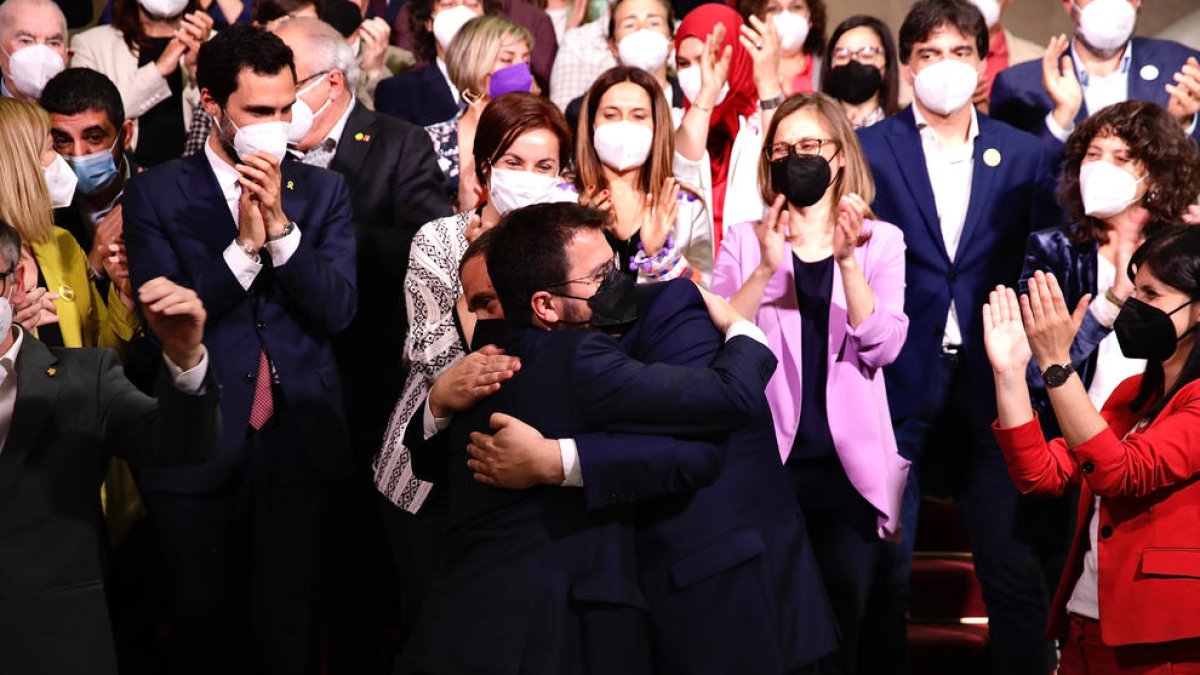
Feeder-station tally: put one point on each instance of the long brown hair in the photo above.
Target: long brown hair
(24, 196)
(856, 175)
(657, 169)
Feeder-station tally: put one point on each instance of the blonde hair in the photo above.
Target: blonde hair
(856, 174)
(472, 53)
(657, 169)
(24, 196)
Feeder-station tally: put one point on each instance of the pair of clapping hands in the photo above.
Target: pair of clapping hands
(1038, 324)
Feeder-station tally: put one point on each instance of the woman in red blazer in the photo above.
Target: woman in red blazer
(1129, 600)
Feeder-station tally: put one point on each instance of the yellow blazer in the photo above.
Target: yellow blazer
(83, 317)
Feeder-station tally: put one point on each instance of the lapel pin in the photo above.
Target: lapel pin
(66, 293)
(991, 157)
(1149, 72)
(51, 372)
(291, 185)
(363, 138)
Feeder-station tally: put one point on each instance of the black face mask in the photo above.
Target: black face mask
(614, 305)
(1147, 332)
(802, 179)
(854, 82)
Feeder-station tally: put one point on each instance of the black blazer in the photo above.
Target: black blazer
(540, 584)
(421, 96)
(75, 410)
(395, 188)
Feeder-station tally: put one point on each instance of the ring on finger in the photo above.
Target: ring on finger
(758, 45)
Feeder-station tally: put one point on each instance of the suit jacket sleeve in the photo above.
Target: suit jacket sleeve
(619, 394)
(879, 338)
(429, 455)
(648, 466)
(419, 188)
(176, 429)
(1037, 466)
(152, 255)
(320, 275)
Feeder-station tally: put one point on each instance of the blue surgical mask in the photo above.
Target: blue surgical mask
(95, 171)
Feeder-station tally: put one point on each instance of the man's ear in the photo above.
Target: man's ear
(127, 135)
(542, 304)
(210, 105)
(18, 296)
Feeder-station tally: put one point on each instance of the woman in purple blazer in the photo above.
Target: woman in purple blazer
(826, 284)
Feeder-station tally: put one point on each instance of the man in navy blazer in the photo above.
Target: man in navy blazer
(728, 536)
(541, 583)
(1079, 77)
(270, 250)
(421, 96)
(966, 190)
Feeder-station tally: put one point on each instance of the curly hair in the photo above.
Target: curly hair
(814, 44)
(1157, 141)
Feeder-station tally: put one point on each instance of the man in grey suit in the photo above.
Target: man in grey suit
(63, 414)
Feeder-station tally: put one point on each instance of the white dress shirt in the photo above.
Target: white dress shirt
(1112, 366)
(189, 381)
(243, 268)
(566, 446)
(950, 176)
(322, 153)
(446, 75)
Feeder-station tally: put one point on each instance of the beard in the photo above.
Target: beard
(224, 134)
(576, 315)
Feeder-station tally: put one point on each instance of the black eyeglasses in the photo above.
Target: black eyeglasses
(804, 146)
(593, 279)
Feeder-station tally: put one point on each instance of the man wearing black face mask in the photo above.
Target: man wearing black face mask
(717, 506)
(89, 129)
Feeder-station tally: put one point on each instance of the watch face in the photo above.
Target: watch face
(1056, 375)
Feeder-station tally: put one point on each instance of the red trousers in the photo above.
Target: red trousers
(1084, 654)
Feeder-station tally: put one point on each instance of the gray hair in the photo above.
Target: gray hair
(330, 50)
(9, 8)
(10, 244)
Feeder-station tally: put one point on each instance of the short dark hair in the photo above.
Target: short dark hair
(926, 16)
(424, 45)
(814, 44)
(269, 10)
(78, 90)
(234, 49)
(889, 92)
(509, 116)
(528, 252)
(1155, 139)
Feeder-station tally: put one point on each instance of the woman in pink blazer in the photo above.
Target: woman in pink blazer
(826, 284)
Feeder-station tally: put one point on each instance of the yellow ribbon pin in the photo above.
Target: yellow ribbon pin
(991, 157)
(291, 185)
(51, 372)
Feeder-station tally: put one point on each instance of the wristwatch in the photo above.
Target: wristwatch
(771, 103)
(287, 229)
(1056, 375)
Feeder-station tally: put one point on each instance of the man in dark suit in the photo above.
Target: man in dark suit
(421, 96)
(1079, 77)
(63, 414)
(395, 188)
(716, 528)
(270, 249)
(966, 190)
(544, 585)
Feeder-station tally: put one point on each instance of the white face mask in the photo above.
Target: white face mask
(990, 10)
(1107, 24)
(163, 9)
(270, 137)
(448, 22)
(30, 68)
(689, 82)
(303, 115)
(946, 86)
(623, 145)
(61, 180)
(645, 49)
(510, 190)
(792, 29)
(1106, 189)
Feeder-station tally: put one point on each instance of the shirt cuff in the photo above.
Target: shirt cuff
(190, 381)
(433, 425)
(243, 268)
(1104, 311)
(572, 472)
(1191, 128)
(1057, 131)
(748, 329)
(281, 249)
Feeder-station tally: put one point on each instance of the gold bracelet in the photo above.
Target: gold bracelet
(707, 110)
(1112, 297)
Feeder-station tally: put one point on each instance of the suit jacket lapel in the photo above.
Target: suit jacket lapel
(982, 176)
(206, 212)
(37, 389)
(1140, 88)
(910, 162)
(356, 140)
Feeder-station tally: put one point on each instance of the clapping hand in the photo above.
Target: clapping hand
(714, 68)
(261, 178)
(1049, 325)
(1004, 334)
(176, 316)
(373, 34)
(761, 41)
(773, 236)
(656, 217)
(595, 198)
(848, 228)
(1185, 93)
(1060, 82)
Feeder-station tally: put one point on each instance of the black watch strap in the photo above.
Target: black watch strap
(1057, 375)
